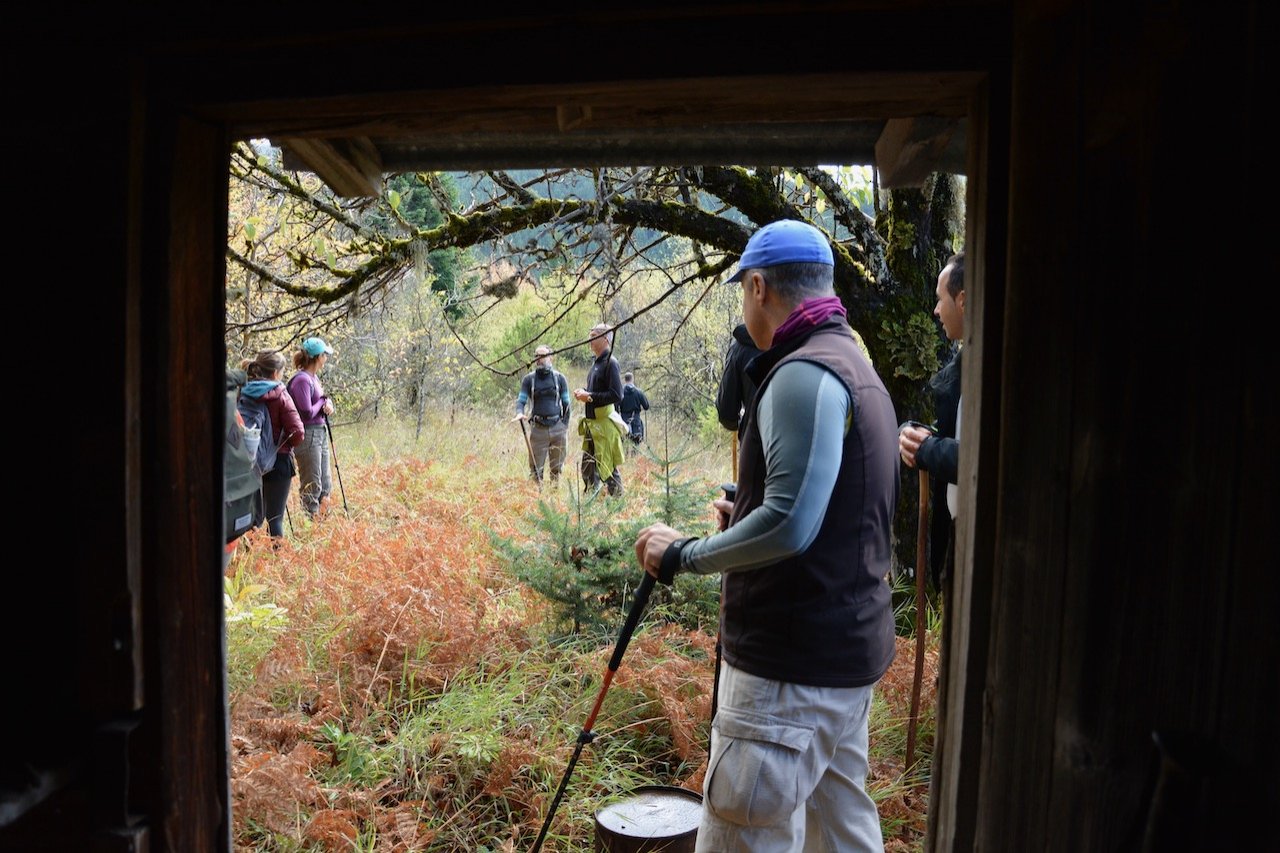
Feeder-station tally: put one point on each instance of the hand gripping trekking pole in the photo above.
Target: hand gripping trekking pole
(922, 555)
(333, 449)
(586, 736)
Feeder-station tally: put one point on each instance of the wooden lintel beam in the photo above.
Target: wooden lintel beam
(351, 167)
(910, 149)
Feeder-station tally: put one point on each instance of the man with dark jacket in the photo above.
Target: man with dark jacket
(936, 448)
(736, 387)
(806, 621)
(633, 403)
(548, 390)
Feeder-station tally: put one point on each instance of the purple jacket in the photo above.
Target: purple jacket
(309, 398)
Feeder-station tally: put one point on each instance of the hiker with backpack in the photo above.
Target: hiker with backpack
(546, 391)
(241, 480)
(633, 403)
(314, 406)
(266, 408)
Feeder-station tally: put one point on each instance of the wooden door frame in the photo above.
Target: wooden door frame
(174, 378)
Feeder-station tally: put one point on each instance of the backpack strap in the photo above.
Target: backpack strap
(562, 391)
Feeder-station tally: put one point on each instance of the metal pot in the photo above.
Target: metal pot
(652, 818)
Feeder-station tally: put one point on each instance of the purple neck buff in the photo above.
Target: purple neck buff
(807, 315)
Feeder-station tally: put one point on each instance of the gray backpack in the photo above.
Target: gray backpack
(257, 429)
(241, 481)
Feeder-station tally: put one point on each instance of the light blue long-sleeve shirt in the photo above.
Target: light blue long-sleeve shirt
(804, 415)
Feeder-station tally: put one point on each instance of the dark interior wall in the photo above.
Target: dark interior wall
(72, 695)
(114, 690)
(1130, 595)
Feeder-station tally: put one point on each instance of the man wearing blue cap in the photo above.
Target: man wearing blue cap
(806, 622)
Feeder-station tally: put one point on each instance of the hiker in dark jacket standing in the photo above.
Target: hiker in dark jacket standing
(806, 621)
(601, 434)
(314, 473)
(936, 449)
(734, 394)
(264, 373)
(633, 403)
(546, 391)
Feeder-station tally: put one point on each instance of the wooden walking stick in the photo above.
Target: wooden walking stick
(733, 440)
(922, 555)
(533, 466)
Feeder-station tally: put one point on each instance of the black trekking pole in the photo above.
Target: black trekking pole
(586, 736)
(333, 449)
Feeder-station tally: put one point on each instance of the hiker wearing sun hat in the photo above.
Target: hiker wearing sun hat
(315, 479)
(806, 620)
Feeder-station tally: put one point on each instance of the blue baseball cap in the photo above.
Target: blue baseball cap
(787, 241)
(314, 346)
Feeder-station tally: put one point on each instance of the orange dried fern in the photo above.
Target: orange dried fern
(392, 605)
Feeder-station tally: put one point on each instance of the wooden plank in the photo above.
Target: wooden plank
(352, 168)
(910, 149)
(1036, 386)
(639, 104)
(181, 507)
(744, 145)
(969, 601)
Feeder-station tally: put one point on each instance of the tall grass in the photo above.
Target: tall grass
(393, 688)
